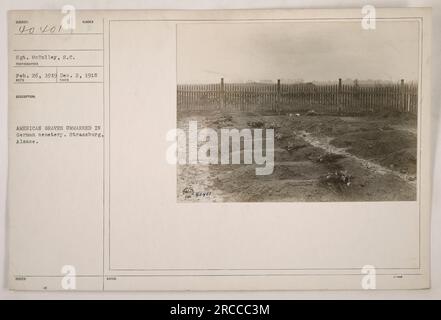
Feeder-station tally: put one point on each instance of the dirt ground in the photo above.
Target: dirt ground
(317, 158)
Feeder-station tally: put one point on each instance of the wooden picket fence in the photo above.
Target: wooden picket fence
(277, 97)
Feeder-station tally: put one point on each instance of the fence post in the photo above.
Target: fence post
(355, 103)
(339, 97)
(402, 97)
(278, 96)
(222, 93)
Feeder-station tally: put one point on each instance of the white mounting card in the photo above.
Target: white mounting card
(219, 150)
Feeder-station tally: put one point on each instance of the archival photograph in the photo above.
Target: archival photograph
(297, 111)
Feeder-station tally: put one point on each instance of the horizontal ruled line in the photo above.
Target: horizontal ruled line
(222, 275)
(59, 34)
(19, 50)
(62, 82)
(33, 66)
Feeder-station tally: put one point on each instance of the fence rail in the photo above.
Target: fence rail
(334, 98)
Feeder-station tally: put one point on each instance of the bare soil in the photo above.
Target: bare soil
(317, 158)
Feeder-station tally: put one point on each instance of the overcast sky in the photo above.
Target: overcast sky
(312, 51)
